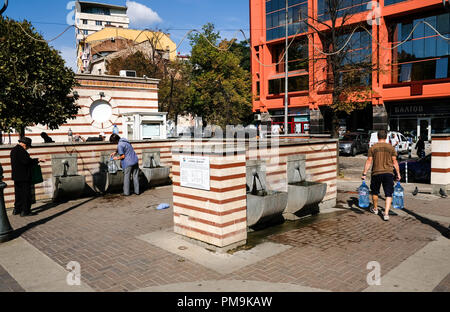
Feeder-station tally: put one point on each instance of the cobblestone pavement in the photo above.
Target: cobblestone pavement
(328, 252)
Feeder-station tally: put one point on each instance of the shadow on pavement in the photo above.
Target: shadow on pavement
(353, 204)
(22, 230)
(434, 224)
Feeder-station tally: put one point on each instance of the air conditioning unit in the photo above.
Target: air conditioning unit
(127, 73)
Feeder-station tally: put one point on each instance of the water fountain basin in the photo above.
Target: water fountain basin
(265, 206)
(69, 187)
(302, 194)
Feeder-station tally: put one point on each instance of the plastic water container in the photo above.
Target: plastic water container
(112, 166)
(397, 201)
(363, 192)
(116, 130)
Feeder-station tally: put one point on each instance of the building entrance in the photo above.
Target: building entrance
(424, 128)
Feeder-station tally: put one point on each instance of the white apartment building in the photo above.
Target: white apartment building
(91, 17)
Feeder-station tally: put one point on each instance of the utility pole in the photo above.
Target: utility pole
(4, 7)
(286, 85)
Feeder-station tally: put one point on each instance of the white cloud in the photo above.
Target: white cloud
(141, 15)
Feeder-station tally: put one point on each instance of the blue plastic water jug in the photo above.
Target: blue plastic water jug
(116, 130)
(363, 192)
(397, 201)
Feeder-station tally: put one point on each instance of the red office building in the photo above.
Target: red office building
(406, 41)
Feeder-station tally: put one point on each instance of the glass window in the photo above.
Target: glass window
(443, 23)
(389, 2)
(442, 68)
(428, 30)
(405, 72)
(430, 47)
(419, 31)
(151, 130)
(442, 47)
(406, 31)
(418, 48)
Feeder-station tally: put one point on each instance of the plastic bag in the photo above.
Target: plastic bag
(36, 175)
(112, 166)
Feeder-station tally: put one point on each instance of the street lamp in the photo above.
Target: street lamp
(5, 5)
(6, 231)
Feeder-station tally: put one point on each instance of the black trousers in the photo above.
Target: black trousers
(23, 196)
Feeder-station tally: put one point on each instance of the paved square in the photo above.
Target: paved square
(328, 252)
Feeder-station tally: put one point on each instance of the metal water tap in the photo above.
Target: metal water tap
(66, 167)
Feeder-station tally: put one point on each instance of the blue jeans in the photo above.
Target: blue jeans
(131, 173)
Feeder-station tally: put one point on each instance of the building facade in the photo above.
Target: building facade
(105, 101)
(91, 17)
(111, 40)
(409, 79)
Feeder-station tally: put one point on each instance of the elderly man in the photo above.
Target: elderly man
(384, 159)
(22, 165)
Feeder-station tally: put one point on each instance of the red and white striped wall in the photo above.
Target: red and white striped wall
(440, 159)
(217, 217)
(88, 162)
(123, 94)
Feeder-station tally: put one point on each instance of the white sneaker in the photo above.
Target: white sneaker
(373, 210)
(386, 217)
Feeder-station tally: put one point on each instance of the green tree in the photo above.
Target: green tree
(242, 50)
(175, 92)
(34, 81)
(349, 81)
(221, 88)
(174, 86)
(137, 62)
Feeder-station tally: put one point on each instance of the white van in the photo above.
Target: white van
(403, 143)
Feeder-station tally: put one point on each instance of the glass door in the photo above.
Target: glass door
(424, 128)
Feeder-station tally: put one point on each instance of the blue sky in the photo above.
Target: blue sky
(177, 17)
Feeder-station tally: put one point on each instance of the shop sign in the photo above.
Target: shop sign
(408, 109)
(301, 119)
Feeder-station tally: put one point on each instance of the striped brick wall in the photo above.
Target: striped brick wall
(217, 217)
(440, 160)
(88, 162)
(125, 95)
(321, 163)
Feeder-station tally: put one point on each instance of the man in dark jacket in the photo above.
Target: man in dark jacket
(22, 165)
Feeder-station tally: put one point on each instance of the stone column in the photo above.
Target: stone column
(380, 117)
(213, 214)
(317, 124)
(440, 162)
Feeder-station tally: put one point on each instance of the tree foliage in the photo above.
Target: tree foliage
(221, 88)
(137, 62)
(175, 92)
(213, 84)
(344, 76)
(34, 81)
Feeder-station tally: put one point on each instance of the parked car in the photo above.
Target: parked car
(418, 170)
(403, 143)
(353, 143)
